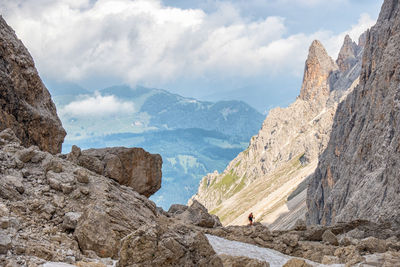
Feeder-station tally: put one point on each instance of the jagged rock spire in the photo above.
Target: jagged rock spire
(347, 55)
(318, 67)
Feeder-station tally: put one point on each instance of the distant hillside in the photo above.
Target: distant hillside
(194, 137)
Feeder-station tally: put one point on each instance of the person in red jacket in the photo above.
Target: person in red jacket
(251, 218)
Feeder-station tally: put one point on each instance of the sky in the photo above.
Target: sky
(251, 50)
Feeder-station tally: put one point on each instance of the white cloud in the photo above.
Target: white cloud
(312, 2)
(334, 42)
(98, 105)
(145, 42)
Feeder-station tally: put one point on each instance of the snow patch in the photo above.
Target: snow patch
(235, 248)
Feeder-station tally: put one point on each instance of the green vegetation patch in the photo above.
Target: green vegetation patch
(226, 182)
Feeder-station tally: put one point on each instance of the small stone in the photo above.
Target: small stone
(70, 259)
(27, 154)
(38, 157)
(49, 208)
(314, 233)
(330, 238)
(330, 260)
(300, 225)
(372, 245)
(67, 188)
(296, 263)
(74, 154)
(82, 176)
(53, 165)
(71, 220)
(290, 239)
(54, 184)
(19, 250)
(4, 222)
(346, 241)
(12, 263)
(84, 191)
(238, 261)
(3, 210)
(19, 164)
(5, 243)
(15, 182)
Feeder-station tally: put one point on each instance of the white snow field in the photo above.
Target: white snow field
(235, 248)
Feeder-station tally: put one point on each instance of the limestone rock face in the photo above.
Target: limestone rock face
(347, 55)
(25, 104)
(319, 65)
(358, 173)
(133, 167)
(269, 178)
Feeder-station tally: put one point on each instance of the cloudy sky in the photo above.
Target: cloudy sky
(239, 49)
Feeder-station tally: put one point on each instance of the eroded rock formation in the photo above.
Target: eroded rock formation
(358, 174)
(319, 66)
(25, 104)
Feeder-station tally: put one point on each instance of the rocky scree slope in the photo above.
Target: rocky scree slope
(268, 178)
(358, 173)
(25, 104)
(52, 209)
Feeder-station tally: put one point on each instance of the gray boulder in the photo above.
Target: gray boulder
(133, 167)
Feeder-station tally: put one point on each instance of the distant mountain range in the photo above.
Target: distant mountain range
(193, 137)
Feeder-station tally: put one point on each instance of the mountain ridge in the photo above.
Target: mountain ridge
(264, 177)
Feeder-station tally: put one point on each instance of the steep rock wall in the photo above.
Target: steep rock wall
(358, 174)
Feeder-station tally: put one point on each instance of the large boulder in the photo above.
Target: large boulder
(133, 167)
(25, 103)
(195, 214)
(167, 245)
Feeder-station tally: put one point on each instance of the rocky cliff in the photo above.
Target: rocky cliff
(25, 104)
(358, 173)
(268, 178)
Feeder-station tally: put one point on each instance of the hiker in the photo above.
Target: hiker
(251, 218)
